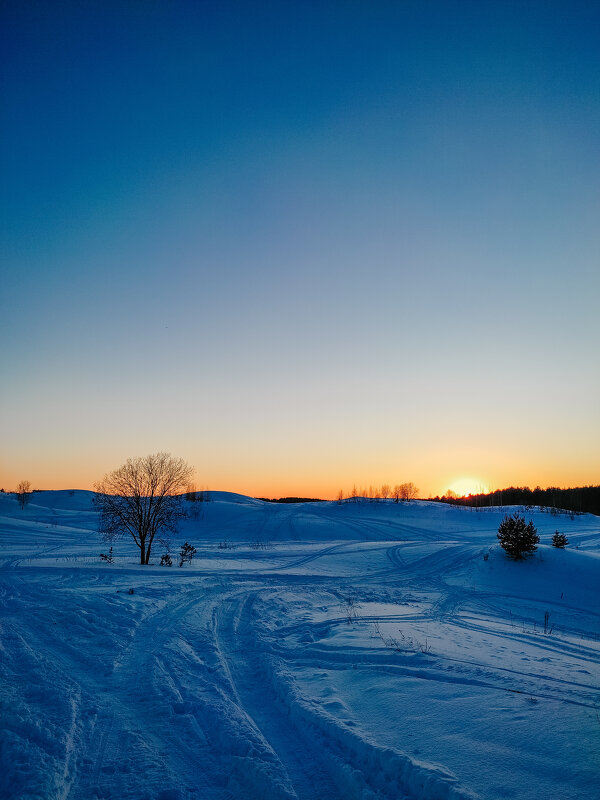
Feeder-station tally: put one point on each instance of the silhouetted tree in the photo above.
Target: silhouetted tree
(408, 491)
(559, 540)
(142, 499)
(576, 500)
(23, 493)
(516, 537)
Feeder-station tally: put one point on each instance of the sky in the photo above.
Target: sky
(301, 245)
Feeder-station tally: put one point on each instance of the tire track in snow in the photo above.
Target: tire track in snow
(300, 562)
(321, 757)
(131, 731)
(304, 771)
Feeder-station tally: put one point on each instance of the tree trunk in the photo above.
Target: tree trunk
(143, 553)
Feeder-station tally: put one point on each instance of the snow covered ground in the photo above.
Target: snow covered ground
(362, 650)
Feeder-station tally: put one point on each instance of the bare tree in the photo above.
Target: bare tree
(408, 491)
(385, 491)
(23, 493)
(405, 491)
(142, 499)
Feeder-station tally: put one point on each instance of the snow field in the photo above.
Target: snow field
(362, 650)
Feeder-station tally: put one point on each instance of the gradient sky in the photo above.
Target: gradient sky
(302, 245)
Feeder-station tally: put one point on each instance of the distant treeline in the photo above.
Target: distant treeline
(580, 499)
(290, 499)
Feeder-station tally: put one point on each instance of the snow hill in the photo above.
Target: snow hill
(318, 650)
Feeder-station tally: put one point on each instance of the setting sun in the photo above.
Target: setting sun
(465, 486)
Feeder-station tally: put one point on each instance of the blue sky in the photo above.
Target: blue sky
(302, 245)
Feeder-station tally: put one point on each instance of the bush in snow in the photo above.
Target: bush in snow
(108, 557)
(559, 540)
(166, 560)
(186, 553)
(517, 537)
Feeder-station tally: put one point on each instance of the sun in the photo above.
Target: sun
(465, 486)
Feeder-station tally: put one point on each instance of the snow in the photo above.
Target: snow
(318, 650)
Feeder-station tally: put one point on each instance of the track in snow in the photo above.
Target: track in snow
(301, 768)
(242, 678)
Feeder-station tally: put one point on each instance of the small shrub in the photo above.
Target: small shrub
(166, 560)
(516, 537)
(186, 554)
(351, 610)
(107, 557)
(257, 544)
(559, 540)
(402, 642)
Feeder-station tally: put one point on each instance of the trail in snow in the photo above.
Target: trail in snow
(300, 763)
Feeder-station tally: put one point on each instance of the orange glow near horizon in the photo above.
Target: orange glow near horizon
(466, 486)
(324, 483)
(301, 466)
(292, 301)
